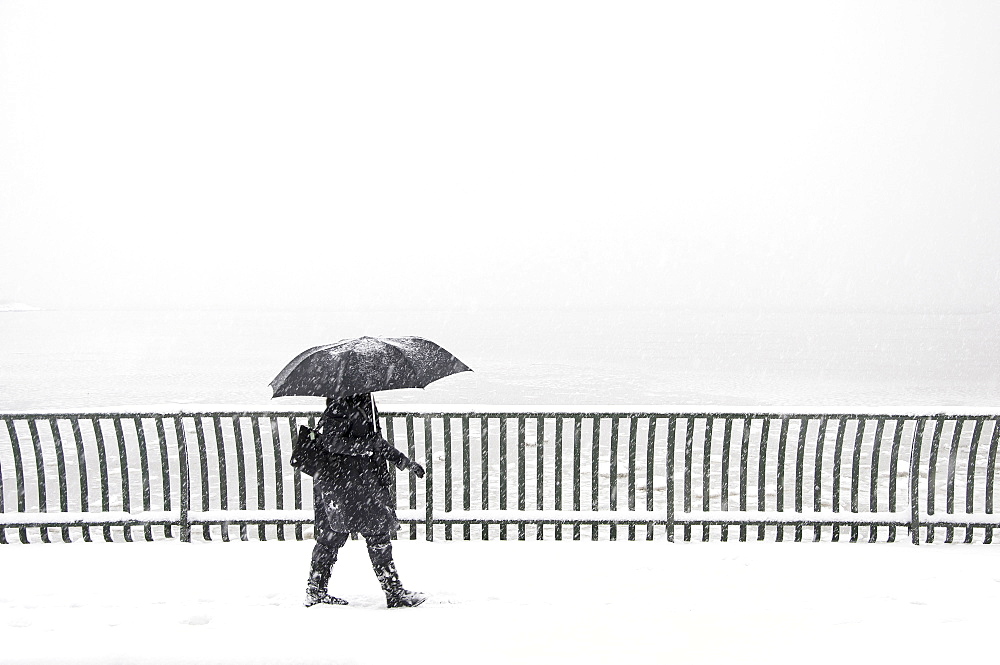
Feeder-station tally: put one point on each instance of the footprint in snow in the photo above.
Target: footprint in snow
(443, 601)
(196, 620)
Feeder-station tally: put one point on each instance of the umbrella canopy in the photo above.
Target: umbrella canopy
(364, 365)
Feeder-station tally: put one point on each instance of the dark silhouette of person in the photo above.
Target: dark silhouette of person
(351, 494)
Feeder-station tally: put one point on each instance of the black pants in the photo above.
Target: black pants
(329, 542)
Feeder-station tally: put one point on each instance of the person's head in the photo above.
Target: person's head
(349, 403)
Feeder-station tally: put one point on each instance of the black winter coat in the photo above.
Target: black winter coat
(353, 485)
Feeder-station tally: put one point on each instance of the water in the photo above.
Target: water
(86, 359)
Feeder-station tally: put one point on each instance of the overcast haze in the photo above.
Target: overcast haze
(469, 154)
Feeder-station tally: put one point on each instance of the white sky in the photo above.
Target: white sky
(482, 154)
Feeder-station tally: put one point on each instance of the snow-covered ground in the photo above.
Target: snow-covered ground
(502, 602)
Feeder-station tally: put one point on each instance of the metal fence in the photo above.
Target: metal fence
(494, 473)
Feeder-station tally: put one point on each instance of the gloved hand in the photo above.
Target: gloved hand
(417, 469)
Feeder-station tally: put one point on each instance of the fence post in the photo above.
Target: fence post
(428, 481)
(915, 481)
(182, 454)
(671, 433)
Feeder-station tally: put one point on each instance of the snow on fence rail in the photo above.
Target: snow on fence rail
(497, 472)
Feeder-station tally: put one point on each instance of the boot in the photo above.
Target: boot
(323, 558)
(316, 595)
(395, 594)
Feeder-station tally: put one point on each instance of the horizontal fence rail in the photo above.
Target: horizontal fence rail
(512, 474)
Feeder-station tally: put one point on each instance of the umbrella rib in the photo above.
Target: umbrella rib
(399, 358)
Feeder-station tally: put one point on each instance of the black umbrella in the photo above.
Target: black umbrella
(364, 365)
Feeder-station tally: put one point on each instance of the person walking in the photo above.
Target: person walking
(351, 494)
